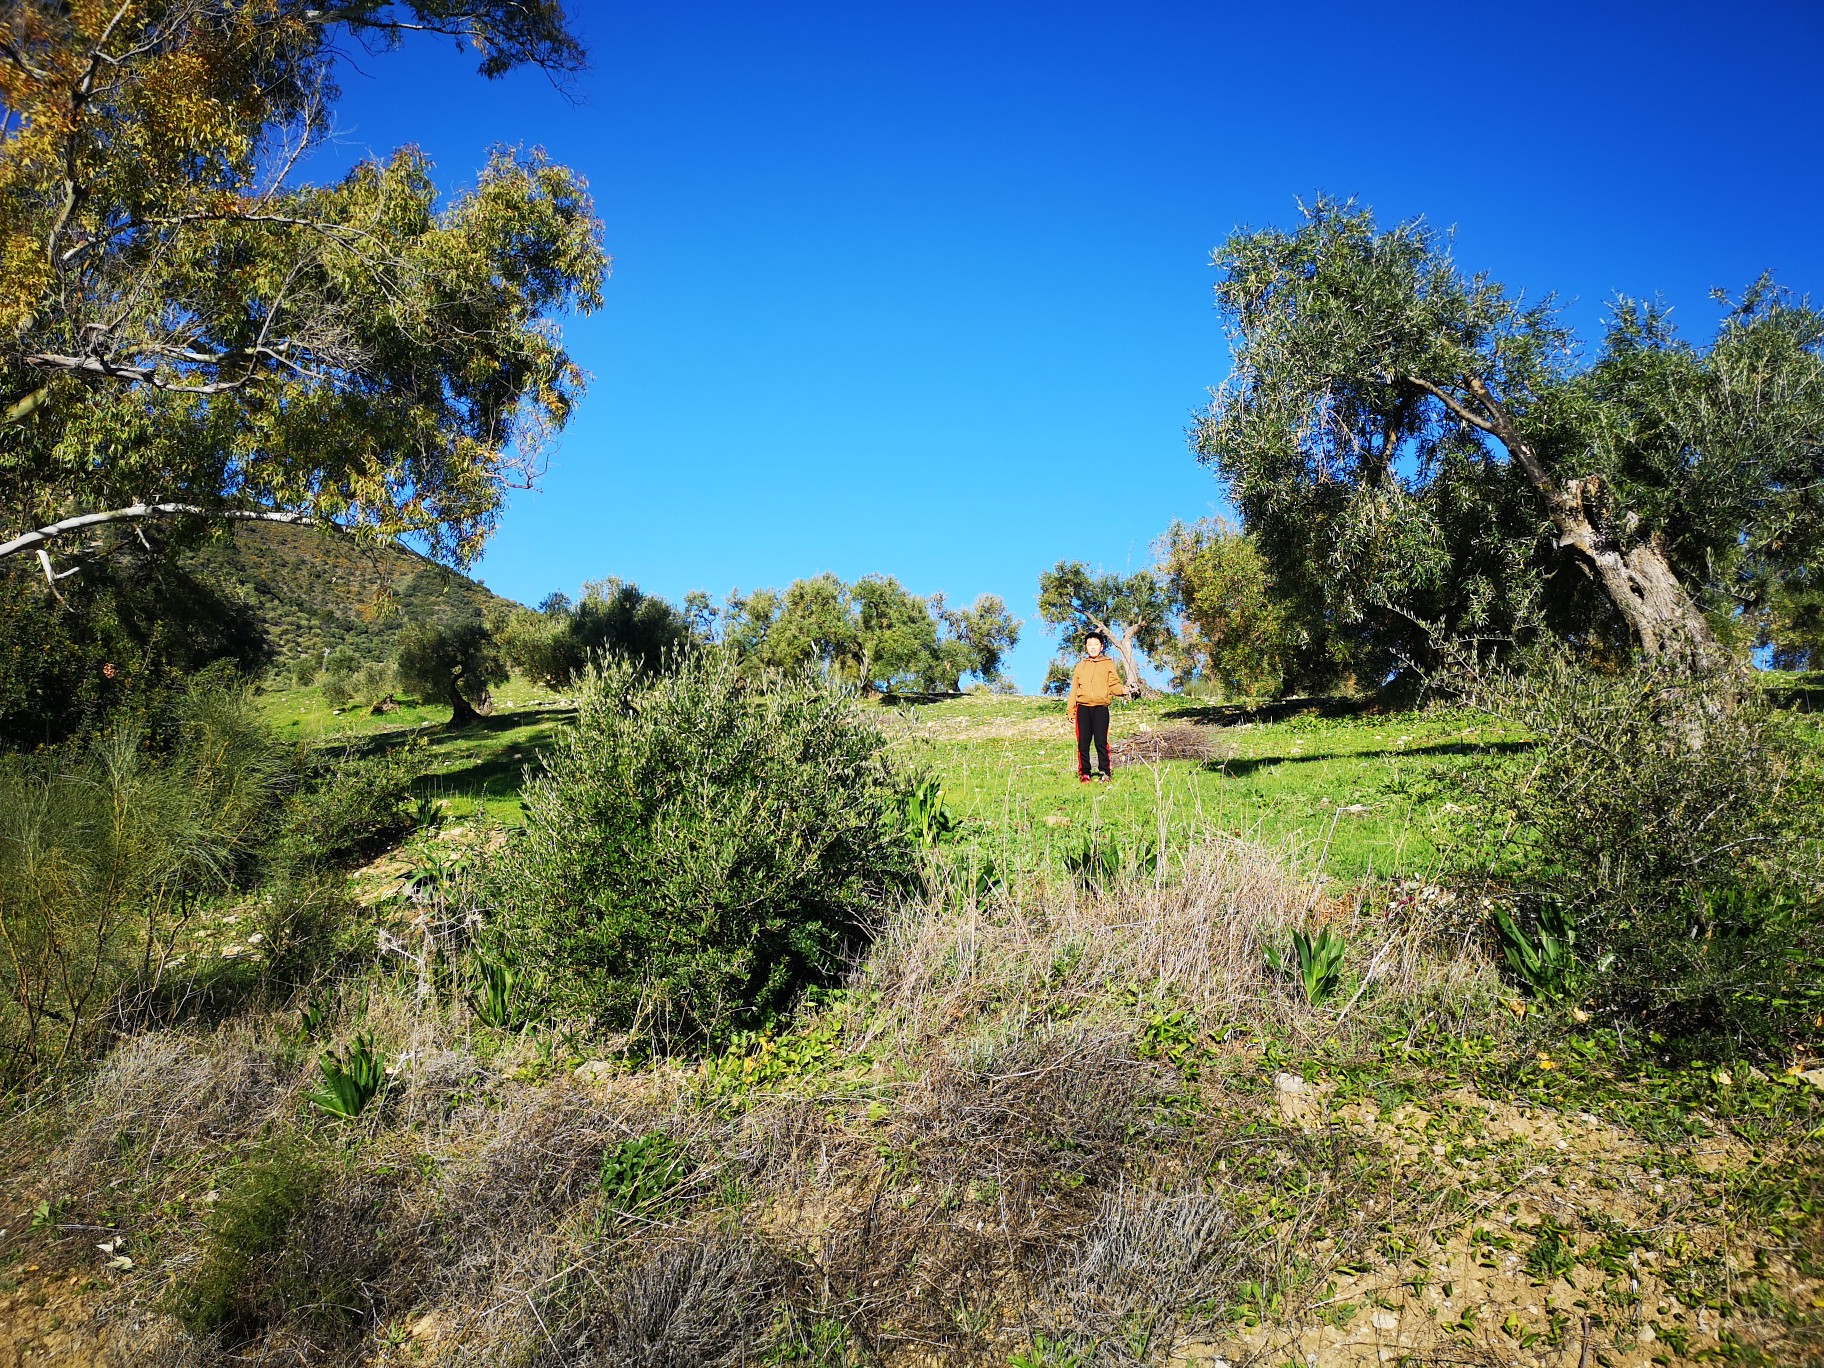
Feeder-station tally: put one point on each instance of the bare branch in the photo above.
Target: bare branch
(1451, 402)
(37, 538)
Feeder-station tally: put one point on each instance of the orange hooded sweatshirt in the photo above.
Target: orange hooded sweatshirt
(1093, 683)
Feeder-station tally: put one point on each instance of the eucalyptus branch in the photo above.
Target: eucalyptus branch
(38, 537)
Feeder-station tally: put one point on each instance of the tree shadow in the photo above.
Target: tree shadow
(1328, 707)
(497, 775)
(1242, 768)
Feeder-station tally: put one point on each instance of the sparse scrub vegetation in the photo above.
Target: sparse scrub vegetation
(1663, 846)
(771, 1002)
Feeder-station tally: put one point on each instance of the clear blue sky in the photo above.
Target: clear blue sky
(925, 289)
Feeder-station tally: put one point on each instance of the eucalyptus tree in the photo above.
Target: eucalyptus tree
(1415, 447)
(188, 329)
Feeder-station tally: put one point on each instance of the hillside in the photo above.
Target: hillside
(317, 591)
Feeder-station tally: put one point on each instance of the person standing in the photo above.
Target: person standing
(1092, 684)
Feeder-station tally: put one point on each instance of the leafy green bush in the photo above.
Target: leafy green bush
(1544, 959)
(1665, 830)
(106, 850)
(928, 821)
(303, 916)
(696, 849)
(348, 806)
(492, 998)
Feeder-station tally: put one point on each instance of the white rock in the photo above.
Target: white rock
(595, 1071)
(1288, 1083)
(1384, 1320)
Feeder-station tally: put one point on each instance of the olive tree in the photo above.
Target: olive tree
(1131, 612)
(1417, 447)
(457, 660)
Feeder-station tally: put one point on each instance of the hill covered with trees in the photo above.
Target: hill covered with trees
(314, 592)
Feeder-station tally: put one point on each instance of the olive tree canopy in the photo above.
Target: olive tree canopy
(1415, 447)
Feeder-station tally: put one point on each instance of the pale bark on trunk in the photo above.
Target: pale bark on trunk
(1638, 579)
(1123, 643)
(1639, 582)
(1136, 686)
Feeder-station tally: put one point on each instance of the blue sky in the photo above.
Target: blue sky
(925, 289)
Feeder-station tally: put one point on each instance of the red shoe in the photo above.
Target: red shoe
(1085, 779)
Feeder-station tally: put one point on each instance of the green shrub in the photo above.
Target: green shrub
(300, 1249)
(302, 916)
(1666, 832)
(492, 998)
(256, 1219)
(641, 1176)
(106, 849)
(338, 689)
(349, 806)
(696, 849)
(928, 821)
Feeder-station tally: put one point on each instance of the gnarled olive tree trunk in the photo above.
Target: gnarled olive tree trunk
(1638, 579)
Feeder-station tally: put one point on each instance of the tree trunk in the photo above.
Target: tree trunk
(1639, 582)
(461, 713)
(1137, 686)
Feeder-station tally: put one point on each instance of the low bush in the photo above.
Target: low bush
(255, 1219)
(107, 849)
(300, 1251)
(1661, 843)
(696, 849)
(347, 806)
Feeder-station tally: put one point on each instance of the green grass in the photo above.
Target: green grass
(1350, 790)
(473, 769)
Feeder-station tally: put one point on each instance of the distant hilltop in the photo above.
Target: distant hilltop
(318, 590)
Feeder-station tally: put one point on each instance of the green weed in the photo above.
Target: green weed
(1545, 960)
(640, 1177)
(492, 998)
(1317, 961)
(351, 1079)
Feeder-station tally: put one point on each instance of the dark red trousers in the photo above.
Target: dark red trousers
(1092, 725)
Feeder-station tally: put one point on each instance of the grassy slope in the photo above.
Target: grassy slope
(1048, 1130)
(474, 771)
(1352, 791)
(1349, 790)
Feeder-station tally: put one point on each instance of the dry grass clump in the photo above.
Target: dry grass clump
(701, 1302)
(170, 1095)
(989, 1152)
(1196, 940)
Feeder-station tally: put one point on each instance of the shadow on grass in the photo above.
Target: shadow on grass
(1241, 769)
(1328, 707)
